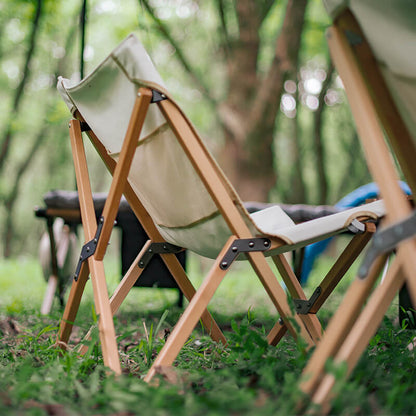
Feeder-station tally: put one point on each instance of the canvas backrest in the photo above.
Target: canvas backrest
(161, 175)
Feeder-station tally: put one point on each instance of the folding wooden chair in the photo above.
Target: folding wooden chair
(183, 200)
(373, 46)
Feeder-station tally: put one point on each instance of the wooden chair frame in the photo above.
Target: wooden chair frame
(97, 237)
(373, 108)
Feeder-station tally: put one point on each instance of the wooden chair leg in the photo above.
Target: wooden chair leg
(328, 284)
(105, 322)
(72, 306)
(339, 326)
(294, 288)
(279, 297)
(189, 291)
(365, 327)
(277, 333)
(343, 264)
(190, 317)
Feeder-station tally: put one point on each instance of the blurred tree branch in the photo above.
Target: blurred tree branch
(165, 31)
(8, 131)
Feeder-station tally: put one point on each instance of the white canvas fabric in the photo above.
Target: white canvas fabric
(161, 174)
(390, 28)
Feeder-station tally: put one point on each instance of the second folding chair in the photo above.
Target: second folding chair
(373, 46)
(184, 201)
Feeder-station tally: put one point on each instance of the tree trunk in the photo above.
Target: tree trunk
(249, 112)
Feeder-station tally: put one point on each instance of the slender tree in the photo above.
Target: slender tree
(319, 145)
(6, 139)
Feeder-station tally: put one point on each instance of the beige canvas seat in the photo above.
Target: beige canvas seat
(183, 200)
(373, 46)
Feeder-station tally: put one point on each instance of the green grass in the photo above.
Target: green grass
(248, 377)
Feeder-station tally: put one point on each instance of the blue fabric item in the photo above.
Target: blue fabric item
(353, 199)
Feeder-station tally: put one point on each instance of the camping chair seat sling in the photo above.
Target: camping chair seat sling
(373, 45)
(182, 198)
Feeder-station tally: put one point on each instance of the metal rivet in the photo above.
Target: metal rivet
(101, 220)
(150, 250)
(234, 249)
(251, 244)
(224, 264)
(266, 243)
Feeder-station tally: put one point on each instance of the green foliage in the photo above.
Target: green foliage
(247, 377)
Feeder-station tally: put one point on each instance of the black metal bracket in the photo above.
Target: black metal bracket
(157, 248)
(385, 241)
(84, 126)
(356, 227)
(88, 249)
(353, 37)
(243, 245)
(304, 306)
(157, 96)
